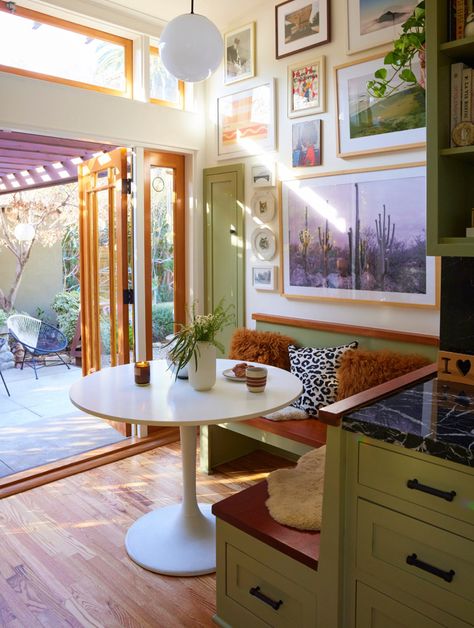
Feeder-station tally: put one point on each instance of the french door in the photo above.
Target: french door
(164, 246)
(105, 260)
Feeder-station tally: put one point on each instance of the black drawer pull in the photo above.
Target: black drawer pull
(447, 495)
(268, 600)
(445, 575)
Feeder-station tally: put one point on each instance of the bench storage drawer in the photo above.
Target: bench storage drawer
(274, 598)
(416, 557)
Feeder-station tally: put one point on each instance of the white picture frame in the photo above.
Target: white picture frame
(264, 277)
(239, 54)
(253, 131)
(366, 26)
(263, 176)
(263, 206)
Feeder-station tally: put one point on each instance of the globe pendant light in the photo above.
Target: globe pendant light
(24, 232)
(191, 47)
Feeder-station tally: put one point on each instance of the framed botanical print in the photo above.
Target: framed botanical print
(239, 54)
(300, 25)
(246, 122)
(358, 235)
(366, 124)
(373, 23)
(306, 88)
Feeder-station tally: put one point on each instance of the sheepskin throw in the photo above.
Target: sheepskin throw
(287, 414)
(265, 347)
(296, 495)
(362, 369)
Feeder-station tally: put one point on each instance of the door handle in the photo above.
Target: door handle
(233, 231)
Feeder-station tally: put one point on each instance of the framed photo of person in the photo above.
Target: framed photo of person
(239, 54)
(373, 23)
(366, 124)
(300, 25)
(306, 88)
(306, 144)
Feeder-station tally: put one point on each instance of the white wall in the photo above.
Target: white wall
(381, 316)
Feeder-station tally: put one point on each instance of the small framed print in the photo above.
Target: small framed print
(300, 25)
(263, 206)
(306, 88)
(264, 244)
(263, 176)
(239, 53)
(306, 144)
(264, 278)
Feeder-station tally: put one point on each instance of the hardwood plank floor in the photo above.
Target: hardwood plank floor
(62, 554)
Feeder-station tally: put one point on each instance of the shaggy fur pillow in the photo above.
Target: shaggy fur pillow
(362, 369)
(265, 347)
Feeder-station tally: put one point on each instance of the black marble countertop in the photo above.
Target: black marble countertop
(434, 417)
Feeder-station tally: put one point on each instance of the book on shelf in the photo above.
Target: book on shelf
(457, 71)
(466, 95)
(458, 13)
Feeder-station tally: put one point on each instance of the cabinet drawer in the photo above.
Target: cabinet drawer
(256, 587)
(376, 610)
(389, 472)
(416, 557)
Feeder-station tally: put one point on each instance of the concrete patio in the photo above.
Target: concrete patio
(38, 423)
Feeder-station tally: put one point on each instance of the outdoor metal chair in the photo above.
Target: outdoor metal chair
(2, 342)
(37, 338)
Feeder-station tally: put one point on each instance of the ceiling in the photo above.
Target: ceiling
(28, 161)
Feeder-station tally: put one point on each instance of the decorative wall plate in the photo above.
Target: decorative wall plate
(264, 243)
(263, 206)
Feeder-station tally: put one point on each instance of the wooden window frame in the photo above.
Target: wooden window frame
(43, 18)
(168, 103)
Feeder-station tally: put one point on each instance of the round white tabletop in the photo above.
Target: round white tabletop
(179, 539)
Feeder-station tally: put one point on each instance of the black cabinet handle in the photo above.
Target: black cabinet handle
(255, 591)
(436, 571)
(447, 495)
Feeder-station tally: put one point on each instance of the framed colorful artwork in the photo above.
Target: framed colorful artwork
(239, 54)
(300, 25)
(366, 124)
(264, 277)
(306, 88)
(246, 122)
(306, 143)
(358, 236)
(373, 23)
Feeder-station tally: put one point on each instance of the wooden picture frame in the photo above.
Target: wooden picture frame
(298, 26)
(239, 54)
(358, 113)
(264, 277)
(306, 88)
(333, 228)
(306, 144)
(375, 23)
(239, 134)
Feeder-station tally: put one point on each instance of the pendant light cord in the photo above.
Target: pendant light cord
(192, 6)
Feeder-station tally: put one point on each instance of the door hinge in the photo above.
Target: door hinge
(128, 297)
(127, 186)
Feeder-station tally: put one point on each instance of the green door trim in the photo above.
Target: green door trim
(237, 171)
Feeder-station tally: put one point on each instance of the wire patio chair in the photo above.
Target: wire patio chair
(2, 342)
(37, 339)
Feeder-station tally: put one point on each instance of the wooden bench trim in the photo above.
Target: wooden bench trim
(333, 413)
(308, 431)
(386, 334)
(247, 511)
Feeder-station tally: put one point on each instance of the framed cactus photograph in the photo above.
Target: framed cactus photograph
(359, 235)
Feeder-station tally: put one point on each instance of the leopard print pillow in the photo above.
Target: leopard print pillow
(316, 369)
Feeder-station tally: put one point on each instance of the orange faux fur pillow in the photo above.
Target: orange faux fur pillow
(363, 369)
(266, 347)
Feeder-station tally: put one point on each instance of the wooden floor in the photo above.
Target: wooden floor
(62, 556)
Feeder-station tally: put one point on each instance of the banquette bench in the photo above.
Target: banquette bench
(293, 438)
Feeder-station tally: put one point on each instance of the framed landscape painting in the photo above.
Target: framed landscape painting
(246, 122)
(306, 88)
(358, 236)
(366, 124)
(300, 25)
(373, 23)
(239, 51)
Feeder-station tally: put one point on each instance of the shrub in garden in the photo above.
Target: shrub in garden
(66, 305)
(162, 315)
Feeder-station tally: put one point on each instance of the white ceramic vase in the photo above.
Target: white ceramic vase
(202, 372)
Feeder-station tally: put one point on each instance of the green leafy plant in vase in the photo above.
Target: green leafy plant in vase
(407, 50)
(194, 345)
